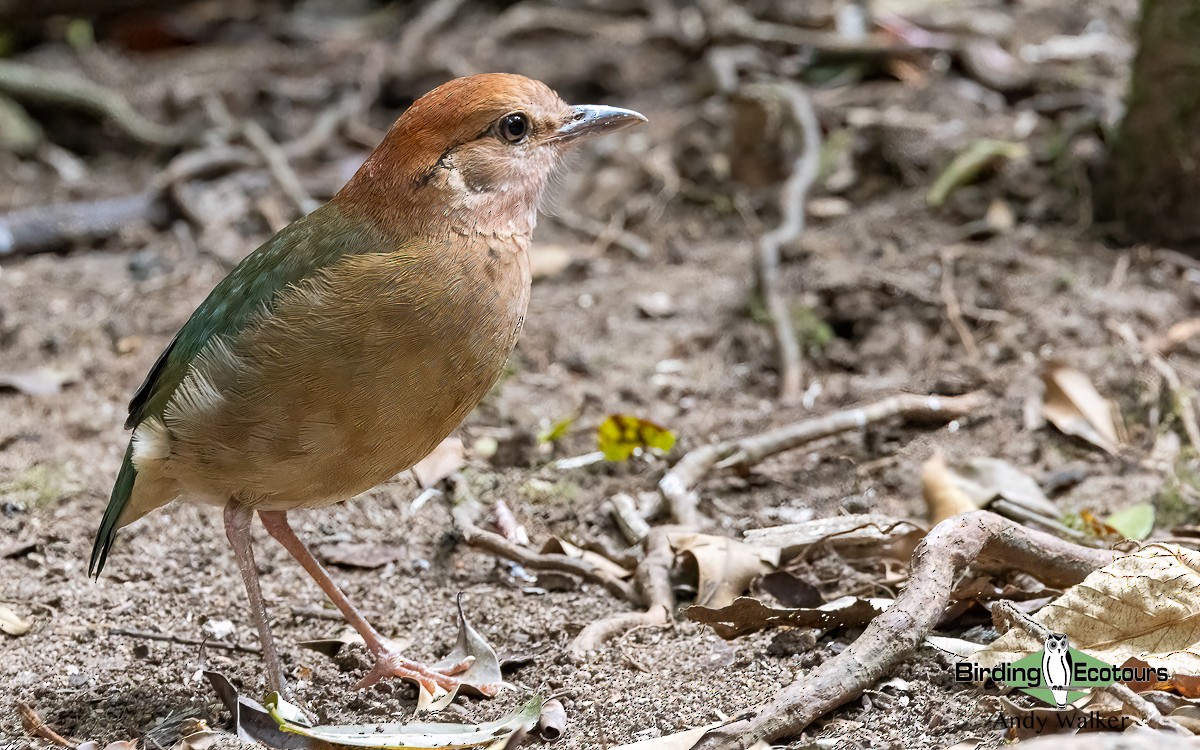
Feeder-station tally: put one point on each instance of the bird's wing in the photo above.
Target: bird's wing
(303, 247)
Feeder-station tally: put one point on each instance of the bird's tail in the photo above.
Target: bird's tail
(121, 492)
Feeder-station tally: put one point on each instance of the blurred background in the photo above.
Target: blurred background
(833, 202)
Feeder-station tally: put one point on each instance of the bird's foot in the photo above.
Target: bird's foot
(435, 680)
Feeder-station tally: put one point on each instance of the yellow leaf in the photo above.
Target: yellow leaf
(621, 434)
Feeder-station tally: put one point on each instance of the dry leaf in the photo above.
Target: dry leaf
(749, 615)
(724, 566)
(10, 623)
(482, 678)
(414, 736)
(873, 530)
(943, 497)
(1075, 407)
(681, 741)
(556, 546)
(956, 487)
(443, 461)
(1145, 605)
(349, 636)
(360, 555)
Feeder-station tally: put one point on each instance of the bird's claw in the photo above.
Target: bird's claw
(434, 680)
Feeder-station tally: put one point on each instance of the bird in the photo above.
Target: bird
(1057, 667)
(346, 347)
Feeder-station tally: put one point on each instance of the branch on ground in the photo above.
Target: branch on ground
(678, 486)
(979, 539)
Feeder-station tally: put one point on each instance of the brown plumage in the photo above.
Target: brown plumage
(349, 345)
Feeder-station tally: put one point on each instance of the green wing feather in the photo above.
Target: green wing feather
(299, 249)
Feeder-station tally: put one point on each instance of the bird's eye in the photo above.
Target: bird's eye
(513, 127)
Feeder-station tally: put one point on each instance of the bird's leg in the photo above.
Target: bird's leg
(388, 663)
(237, 528)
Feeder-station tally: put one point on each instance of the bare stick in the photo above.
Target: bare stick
(42, 228)
(185, 641)
(678, 484)
(980, 539)
(792, 200)
(466, 509)
(277, 163)
(654, 583)
(953, 309)
(594, 229)
(35, 727)
(633, 527)
(30, 84)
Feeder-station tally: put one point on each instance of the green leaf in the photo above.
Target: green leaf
(621, 434)
(1135, 522)
(557, 430)
(415, 736)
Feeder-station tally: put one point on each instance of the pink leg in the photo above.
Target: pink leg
(237, 529)
(388, 663)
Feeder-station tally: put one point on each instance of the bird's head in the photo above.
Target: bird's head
(473, 156)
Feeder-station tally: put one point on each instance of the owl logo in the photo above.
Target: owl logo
(1056, 667)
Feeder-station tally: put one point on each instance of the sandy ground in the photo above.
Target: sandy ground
(1051, 289)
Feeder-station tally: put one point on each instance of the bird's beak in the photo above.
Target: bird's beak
(588, 120)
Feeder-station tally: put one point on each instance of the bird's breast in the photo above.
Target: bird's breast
(353, 375)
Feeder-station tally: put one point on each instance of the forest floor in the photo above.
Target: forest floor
(674, 337)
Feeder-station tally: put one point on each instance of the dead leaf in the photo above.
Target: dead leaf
(443, 461)
(789, 590)
(1144, 605)
(251, 722)
(620, 435)
(547, 259)
(873, 530)
(553, 721)
(943, 497)
(1075, 407)
(11, 624)
(724, 566)
(681, 741)
(482, 678)
(41, 382)
(556, 546)
(414, 736)
(331, 646)
(748, 615)
(956, 487)
(360, 555)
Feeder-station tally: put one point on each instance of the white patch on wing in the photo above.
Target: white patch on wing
(151, 442)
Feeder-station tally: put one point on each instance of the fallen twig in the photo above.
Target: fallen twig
(28, 83)
(277, 163)
(677, 486)
(954, 309)
(980, 539)
(653, 582)
(466, 508)
(792, 200)
(633, 527)
(35, 727)
(185, 641)
(44, 228)
(594, 229)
